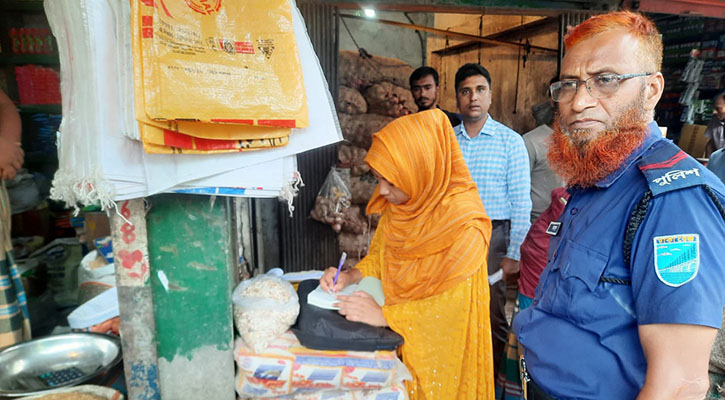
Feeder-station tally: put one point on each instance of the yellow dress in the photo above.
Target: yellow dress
(447, 336)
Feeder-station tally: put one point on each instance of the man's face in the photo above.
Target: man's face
(474, 98)
(584, 117)
(425, 92)
(718, 109)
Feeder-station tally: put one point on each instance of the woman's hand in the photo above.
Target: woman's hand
(346, 278)
(361, 307)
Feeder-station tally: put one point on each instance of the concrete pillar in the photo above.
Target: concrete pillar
(192, 272)
(138, 332)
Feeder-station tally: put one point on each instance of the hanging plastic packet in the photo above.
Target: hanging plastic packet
(333, 199)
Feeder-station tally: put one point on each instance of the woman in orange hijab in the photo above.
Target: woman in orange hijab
(429, 252)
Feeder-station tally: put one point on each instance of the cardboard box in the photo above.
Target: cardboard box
(692, 140)
(97, 225)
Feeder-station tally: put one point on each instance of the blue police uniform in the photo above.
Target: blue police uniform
(580, 336)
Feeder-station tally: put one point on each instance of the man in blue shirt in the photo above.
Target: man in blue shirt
(631, 298)
(499, 164)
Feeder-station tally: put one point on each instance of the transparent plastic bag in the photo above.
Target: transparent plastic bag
(264, 307)
(333, 199)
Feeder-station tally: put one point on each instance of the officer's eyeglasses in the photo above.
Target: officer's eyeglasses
(598, 86)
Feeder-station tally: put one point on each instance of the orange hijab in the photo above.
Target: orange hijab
(440, 236)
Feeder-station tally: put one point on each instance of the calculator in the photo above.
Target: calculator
(62, 376)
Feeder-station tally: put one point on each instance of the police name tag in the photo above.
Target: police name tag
(677, 258)
(553, 228)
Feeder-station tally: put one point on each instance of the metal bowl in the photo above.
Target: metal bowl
(22, 365)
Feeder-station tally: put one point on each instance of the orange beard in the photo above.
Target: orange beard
(584, 163)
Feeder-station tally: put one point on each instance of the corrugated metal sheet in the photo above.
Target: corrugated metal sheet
(567, 21)
(305, 243)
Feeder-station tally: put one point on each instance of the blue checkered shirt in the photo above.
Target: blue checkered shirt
(499, 165)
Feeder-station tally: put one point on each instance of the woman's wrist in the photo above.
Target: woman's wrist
(354, 276)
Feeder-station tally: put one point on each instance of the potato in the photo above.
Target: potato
(359, 129)
(350, 101)
(358, 72)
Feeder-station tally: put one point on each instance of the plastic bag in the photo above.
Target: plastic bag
(264, 308)
(218, 131)
(333, 199)
(95, 276)
(163, 141)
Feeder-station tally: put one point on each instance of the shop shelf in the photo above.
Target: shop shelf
(20, 5)
(40, 108)
(42, 59)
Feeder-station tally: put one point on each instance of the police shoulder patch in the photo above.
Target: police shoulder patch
(677, 258)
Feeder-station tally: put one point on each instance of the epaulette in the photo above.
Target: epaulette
(668, 168)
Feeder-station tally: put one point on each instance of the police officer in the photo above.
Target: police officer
(631, 298)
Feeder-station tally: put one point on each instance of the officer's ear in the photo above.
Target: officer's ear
(654, 86)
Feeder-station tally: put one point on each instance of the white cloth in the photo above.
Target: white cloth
(99, 162)
(716, 131)
(543, 179)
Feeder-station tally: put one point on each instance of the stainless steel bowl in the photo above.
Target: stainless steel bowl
(22, 365)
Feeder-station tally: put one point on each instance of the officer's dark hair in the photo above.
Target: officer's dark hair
(469, 70)
(720, 95)
(421, 73)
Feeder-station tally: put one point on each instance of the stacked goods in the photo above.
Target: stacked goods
(354, 158)
(387, 99)
(373, 91)
(358, 129)
(38, 85)
(286, 370)
(350, 101)
(360, 72)
(184, 102)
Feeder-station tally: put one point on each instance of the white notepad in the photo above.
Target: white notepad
(369, 285)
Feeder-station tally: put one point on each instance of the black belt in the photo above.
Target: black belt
(533, 391)
(497, 222)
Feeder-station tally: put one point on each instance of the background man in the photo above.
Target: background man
(543, 179)
(715, 132)
(11, 155)
(425, 89)
(14, 319)
(622, 310)
(496, 157)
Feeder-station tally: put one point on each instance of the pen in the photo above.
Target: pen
(343, 257)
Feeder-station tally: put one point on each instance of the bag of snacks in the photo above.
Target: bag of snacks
(264, 307)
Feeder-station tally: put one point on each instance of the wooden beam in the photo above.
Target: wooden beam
(490, 7)
(519, 29)
(704, 8)
(441, 32)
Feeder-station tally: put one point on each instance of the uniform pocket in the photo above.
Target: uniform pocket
(578, 297)
(584, 264)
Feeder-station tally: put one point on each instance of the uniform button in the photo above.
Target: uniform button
(574, 211)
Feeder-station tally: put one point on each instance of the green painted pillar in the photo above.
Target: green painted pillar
(191, 274)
